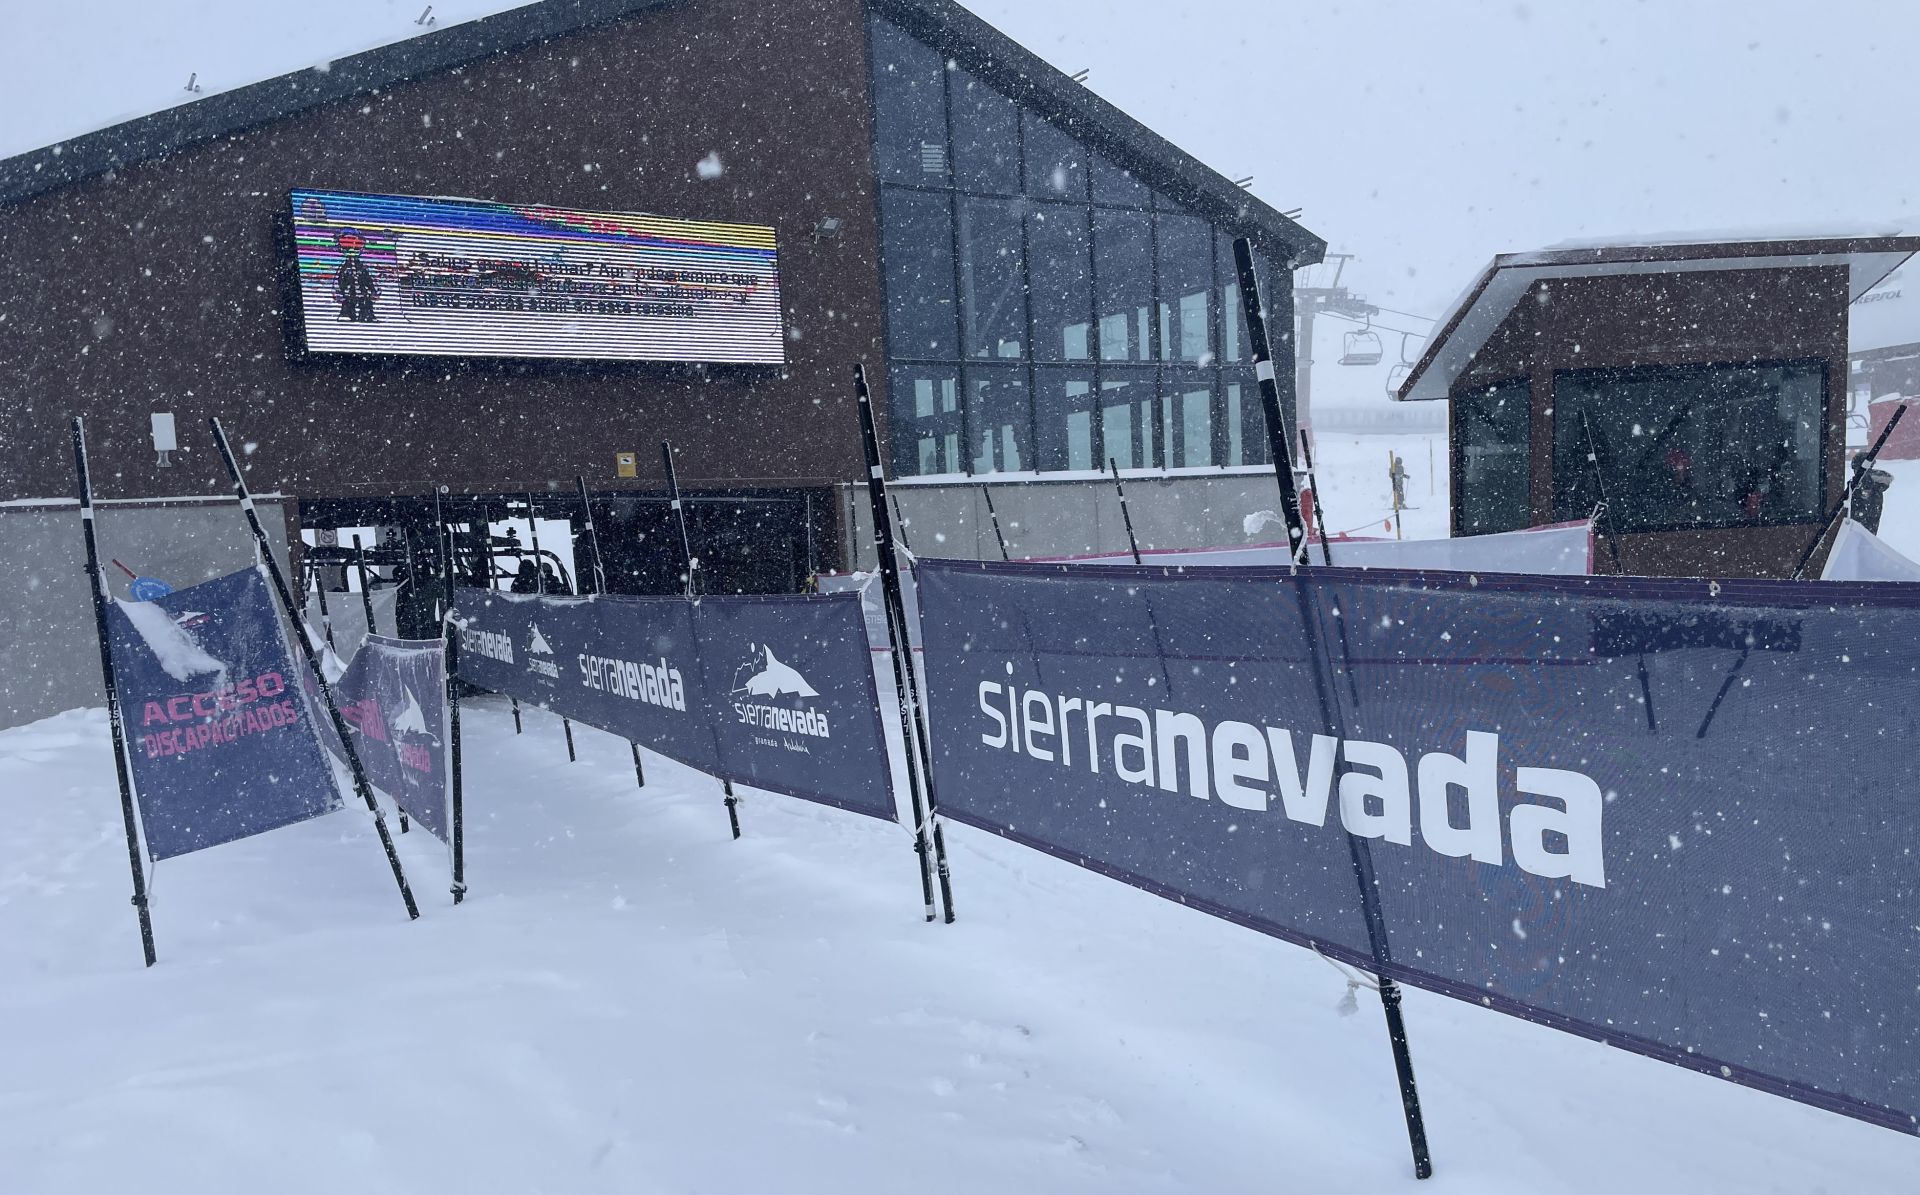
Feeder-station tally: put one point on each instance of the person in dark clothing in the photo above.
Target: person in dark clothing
(353, 285)
(526, 579)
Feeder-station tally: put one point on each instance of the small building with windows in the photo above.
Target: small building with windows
(1038, 286)
(1691, 398)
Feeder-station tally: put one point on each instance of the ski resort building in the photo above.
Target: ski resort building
(1695, 396)
(1038, 286)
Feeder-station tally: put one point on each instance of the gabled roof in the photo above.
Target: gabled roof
(955, 31)
(1476, 315)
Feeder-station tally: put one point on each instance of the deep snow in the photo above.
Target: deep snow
(630, 1002)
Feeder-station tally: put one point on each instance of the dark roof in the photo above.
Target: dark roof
(951, 28)
(1477, 314)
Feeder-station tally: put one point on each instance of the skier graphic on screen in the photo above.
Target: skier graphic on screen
(353, 285)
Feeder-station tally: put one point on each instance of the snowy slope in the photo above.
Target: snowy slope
(629, 1002)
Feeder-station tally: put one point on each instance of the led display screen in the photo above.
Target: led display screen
(386, 274)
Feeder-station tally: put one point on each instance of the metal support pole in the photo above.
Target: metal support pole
(599, 587)
(1358, 849)
(1262, 352)
(116, 718)
(540, 587)
(1126, 516)
(1860, 466)
(1319, 497)
(455, 779)
(927, 834)
(688, 563)
(360, 784)
(733, 807)
(366, 602)
(994, 515)
(326, 616)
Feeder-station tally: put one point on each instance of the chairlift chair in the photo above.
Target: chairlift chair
(1361, 347)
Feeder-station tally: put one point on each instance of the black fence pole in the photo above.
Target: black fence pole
(688, 564)
(1358, 850)
(1860, 466)
(913, 729)
(1126, 516)
(326, 616)
(456, 781)
(600, 586)
(1319, 496)
(366, 602)
(360, 783)
(994, 516)
(540, 587)
(116, 722)
(1262, 351)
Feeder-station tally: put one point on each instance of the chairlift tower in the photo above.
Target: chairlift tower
(1309, 301)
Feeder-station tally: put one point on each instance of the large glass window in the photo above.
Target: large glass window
(1690, 446)
(1123, 274)
(909, 108)
(1063, 415)
(1184, 250)
(1492, 456)
(926, 420)
(999, 420)
(993, 284)
(917, 245)
(1046, 309)
(1056, 162)
(1061, 289)
(986, 138)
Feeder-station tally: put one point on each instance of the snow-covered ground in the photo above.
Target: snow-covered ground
(630, 1002)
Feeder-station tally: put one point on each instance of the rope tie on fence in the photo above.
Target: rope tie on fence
(1356, 980)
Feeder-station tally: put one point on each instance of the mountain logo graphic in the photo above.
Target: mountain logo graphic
(776, 679)
(538, 645)
(411, 719)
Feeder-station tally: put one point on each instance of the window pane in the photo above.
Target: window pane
(999, 420)
(993, 300)
(986, 137)
(1063, 419)
(925, 427)
(1492, 442)
(1721, 446)
(1246, 421)
(1189, 408)
(1123, 273)
(1056, 162)
(1185, 253)
(909, 108)
(1061, 295)
(1127, 401)
(917, 243)
(1117, 185)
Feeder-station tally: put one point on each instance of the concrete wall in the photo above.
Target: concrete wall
(1070, 518)
(49, 655)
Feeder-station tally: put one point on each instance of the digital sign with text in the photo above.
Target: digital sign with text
(395, 274)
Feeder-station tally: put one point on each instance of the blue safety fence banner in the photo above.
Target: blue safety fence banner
(393, 697)
(776, 692)
(222, 745)
(1675, 816)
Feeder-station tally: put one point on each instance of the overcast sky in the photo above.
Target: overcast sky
(1424, 136)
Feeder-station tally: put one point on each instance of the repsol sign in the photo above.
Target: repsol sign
(1259, 769)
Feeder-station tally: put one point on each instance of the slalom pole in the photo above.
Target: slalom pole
(456, 781)
(366, 601)
(900, 522)
(360, 783)
(1262, 352)
(688, 563)
(599, 587)
(1319, 496)
(326, 616)
(540, 584)
(987, 493)
(1358, 850)
(116, 717)
(1126, 516)
(927, 836)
